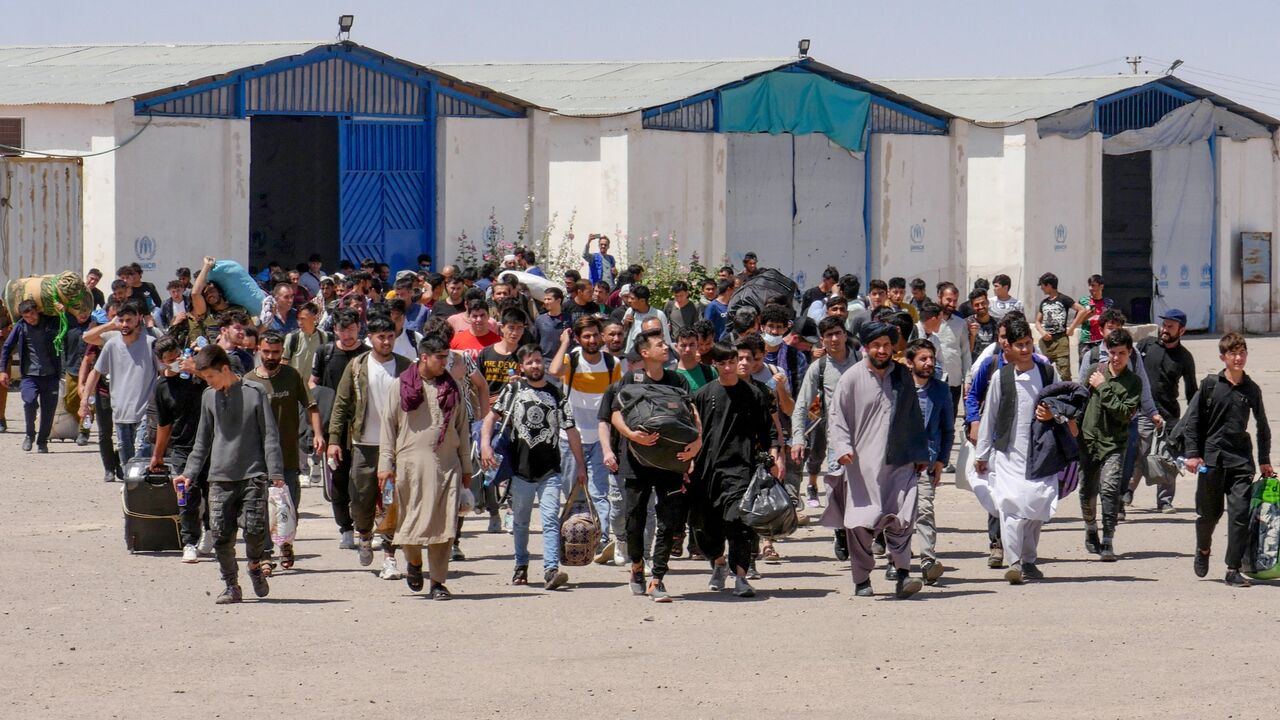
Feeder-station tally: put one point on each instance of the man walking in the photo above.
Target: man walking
(1115, 395)
(1168, 365)
(33, 339)
(940, 428)
(177, 407)
(1051, 321)
(327, 371)
(129, 362)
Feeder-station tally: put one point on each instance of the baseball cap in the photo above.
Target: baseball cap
(1175, 315)
(807, 330)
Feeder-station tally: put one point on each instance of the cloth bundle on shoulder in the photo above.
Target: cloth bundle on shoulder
(664, 410)
(760, 287)
(237, 286)
(66, 288)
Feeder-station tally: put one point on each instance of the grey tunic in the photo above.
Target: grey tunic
(868, 493)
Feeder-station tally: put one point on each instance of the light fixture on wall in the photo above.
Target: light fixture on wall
(804, 47)
(344, 26)
(1176, 64)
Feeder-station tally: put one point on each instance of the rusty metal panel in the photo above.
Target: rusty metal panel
(41, 217)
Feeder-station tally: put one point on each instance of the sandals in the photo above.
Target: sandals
(413, 577)
(521, 575)
(769, 554)
(286, 556)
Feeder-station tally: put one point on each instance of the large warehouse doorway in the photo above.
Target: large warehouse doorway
(1127, 233)
(293, 190)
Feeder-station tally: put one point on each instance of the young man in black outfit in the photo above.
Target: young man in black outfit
(640, 481)
(176, 401)
(1217, 437)
(331, 361)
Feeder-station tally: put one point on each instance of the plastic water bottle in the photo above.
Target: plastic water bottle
(186, 353)
(1182, 465)
(389, 492)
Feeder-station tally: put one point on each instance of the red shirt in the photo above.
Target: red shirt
(472, 345)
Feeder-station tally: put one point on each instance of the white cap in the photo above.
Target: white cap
(625, 290)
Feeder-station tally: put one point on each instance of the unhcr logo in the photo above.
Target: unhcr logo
(917, 238)
(1060, 238)
(145, 250)
(1206, 275)
(1184, 276)
(1163, 277)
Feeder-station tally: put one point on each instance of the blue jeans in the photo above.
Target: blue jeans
(597, 478)
(547, 490)
(127, 438)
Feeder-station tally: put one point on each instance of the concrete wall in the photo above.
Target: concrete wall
(995, 226)
(184, 184)
(1248, 185)
(482, 168)
(1063, 229)
(78, 129)
(912, 210)
(676, 184)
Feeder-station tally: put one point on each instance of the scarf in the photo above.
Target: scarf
(413, 392)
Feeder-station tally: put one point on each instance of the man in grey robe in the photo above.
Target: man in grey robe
(876, 433)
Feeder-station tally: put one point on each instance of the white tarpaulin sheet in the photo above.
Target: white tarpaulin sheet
(1182, 207)
(797, 201)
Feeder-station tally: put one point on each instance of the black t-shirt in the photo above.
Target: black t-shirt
(443, 309)
(177, 403)
(811, 296)
(536, 416)
(609, 403)
(331, 361)
(737, 427)
(1053, 314)
(986, 334)
(99, 300)
(497, 368)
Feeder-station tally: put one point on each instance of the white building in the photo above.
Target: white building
(1147, 180)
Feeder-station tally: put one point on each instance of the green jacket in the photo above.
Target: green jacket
(1110, 410)
(347, 420)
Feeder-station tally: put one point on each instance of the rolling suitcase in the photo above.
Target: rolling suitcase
(150, 509)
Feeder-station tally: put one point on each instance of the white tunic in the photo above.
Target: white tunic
(1013, 493)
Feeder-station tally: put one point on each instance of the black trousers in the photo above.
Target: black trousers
(194, 516)
(106, 436)
(1212, 488)
(711, 531)
(670, 516)
(340, 494)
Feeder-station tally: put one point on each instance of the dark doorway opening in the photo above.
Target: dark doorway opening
(293, 190)
(1126, 233)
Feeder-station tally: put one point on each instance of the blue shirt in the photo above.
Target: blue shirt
(286, 326)
(715, 314)
(939, 419)
(415, 316)
(600, 267)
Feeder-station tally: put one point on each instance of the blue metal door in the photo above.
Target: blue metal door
(386, 191)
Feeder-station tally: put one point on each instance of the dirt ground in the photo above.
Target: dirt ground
(89, 630)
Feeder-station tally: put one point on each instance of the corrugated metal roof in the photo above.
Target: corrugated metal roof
(587, 89)
(1012, 100)
(98, 74)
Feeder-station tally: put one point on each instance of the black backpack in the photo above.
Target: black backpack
(661, 409)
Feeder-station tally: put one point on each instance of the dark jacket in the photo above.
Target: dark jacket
(1006, 414)
(1053, 447)
(41, 342)
(908, 439)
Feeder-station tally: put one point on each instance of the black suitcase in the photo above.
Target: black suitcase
(150, 509)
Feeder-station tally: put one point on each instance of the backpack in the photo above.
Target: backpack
(294, 343)
(1176, 441)
(661, 409)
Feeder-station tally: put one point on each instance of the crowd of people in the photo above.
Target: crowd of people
(425, 397)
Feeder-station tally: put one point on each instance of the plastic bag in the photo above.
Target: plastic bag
(768, 507)
(466, 501)
(1262, 554)
(284, 516)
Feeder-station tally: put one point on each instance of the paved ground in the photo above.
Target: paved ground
(90, 631)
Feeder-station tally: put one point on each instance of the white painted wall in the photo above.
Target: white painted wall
(1063, 229)
(1248, 185)
(79, 129)
(183, 183)
(482, 168)
(995, 226)
(675, 184)
(912, 210)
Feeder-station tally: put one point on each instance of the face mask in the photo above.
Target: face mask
(175, 366)
(771, 340)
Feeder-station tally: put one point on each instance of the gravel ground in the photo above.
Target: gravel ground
(89, 630)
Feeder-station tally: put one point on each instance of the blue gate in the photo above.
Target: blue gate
(386, 191)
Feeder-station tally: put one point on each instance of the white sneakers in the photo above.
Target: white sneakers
(347, 541)
(389, 570)
(189, 554)
(206, 544)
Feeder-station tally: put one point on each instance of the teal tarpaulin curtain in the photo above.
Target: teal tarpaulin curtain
(799, 103)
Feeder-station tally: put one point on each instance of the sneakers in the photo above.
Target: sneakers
(108, 476)
(995, 559)
(554, 578)
(907, 585)
(347, 541)
(365, 548)
(232, 594)
(607, 553)
(189, 554)
(495, 524)
(742, 588)
(841, 548)
(389, 570)
(82, 439)
(42, 449)
(1092, 544)
(863, 589)
(620, 552)
(752, 572)
(637, 582)
(1108, 553)
(1235, 579)
(206, 543)
(1168, 508)
(718, 577)
(1201, 563)
(413, 577)
(440, 592)
(258, 576)
(1030, 571)
(931, 570)
(456, 555)
(813, 497)
(658, 591)
(1014, 574)
(27, 442)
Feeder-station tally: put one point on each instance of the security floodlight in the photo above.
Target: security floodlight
(1176, 64)
(804, 47)
(345, 22)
